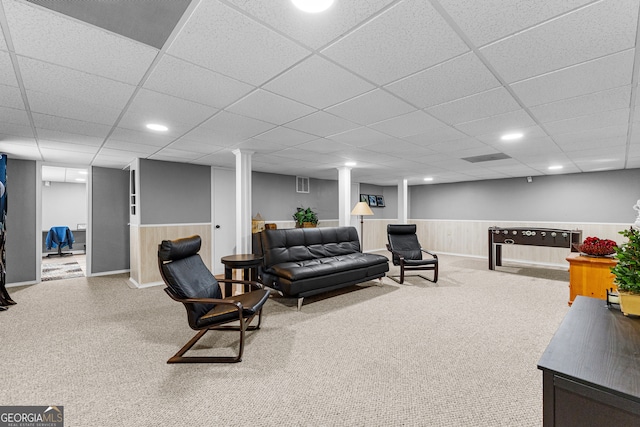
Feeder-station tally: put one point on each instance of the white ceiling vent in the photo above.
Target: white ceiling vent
(302, 184)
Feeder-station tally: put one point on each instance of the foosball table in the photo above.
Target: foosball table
(550, 237)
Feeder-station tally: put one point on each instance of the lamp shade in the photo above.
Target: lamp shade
(361, 208)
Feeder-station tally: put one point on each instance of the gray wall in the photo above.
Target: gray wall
(174, 193)
(110, 218)
(21, 221)
(602, 197)
(274, 197)
(390, 194)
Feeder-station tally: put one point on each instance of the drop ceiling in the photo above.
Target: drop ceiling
(404, 88)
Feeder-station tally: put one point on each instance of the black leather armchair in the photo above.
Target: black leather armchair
(190, 282)
(407, 253)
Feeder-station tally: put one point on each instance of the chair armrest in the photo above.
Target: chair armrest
(202, 300)
(430, 253)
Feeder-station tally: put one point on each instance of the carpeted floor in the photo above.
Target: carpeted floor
(462, 352)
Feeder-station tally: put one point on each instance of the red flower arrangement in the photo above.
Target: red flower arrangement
(597, 246)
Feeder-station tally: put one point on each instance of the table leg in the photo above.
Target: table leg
(228, 274)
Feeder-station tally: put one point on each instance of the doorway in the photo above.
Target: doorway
(64, 222)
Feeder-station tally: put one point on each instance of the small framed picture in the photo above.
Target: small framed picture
(364, 198)
(373, 201)
(380, 201)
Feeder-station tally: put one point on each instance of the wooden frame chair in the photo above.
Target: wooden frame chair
(407, 253)
(191, 283)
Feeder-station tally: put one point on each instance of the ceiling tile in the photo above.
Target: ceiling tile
(145, 149)
(65, 146)
(407, 38)
(77, 45)
(238, 45)
(451, 147)
(321, 124)
(437, 135)
(72, 138)
(268, 107)
(7, 75)
(319, 83)
(71, 84)
(145, 137)
(416, 122)
(259, 146)
(71, 126)
(591, 135)
(11, 97)
(484, 21)
(585, 34)
(360, 136)
(14, 116)
(69, 157)
(590, 122)
(233, 127)
(507, 122)
(314, 30)
(371, 107)
(474, 107)
(55, 105)
(179, 115)
(612, 99)
(593, 76)
(196, 146)
(457, 78)
(286, 136)
(14, 130)
(324, 146)
(181, 79)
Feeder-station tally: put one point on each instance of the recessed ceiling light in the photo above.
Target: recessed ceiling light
(158, 127)
(350, 164)
(555, 167)
(429, 178)
(312, 6)
(511, 136)
(80, 179)
(83, 172)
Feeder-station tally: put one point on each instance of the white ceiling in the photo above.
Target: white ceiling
(405, 88)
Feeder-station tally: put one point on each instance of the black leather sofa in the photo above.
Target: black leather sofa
(300, 262)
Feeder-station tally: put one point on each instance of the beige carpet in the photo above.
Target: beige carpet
(462, 352)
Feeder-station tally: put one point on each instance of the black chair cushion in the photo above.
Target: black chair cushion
(404, 242)
(172, 250)
(190, 278)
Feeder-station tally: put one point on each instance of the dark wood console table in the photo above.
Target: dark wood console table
(591, 368)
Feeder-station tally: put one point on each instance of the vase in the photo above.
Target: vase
(629, 303)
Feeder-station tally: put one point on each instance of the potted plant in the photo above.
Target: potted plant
(627, 272)
(305, 217)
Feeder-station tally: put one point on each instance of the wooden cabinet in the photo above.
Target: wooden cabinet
(590, 373)
(590, 276)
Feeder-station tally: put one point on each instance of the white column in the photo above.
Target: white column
(403, 201)
(243, 201)
(344, 196)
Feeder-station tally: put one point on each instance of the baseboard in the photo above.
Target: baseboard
(135, 285)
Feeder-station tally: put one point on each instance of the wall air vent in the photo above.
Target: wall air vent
(486, 158)
(302, 184)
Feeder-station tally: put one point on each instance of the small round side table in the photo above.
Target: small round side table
(247, 262)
